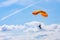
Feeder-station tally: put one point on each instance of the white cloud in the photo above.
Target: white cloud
(24, 2)
(34, 25)
(30, 31)
(51, 27)
(21, 2)
(18, 2)
(7, 3)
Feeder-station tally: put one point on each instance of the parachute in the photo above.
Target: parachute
(43, 13)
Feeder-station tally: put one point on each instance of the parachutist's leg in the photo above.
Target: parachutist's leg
(40, 27)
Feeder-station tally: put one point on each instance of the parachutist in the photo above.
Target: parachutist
(40, 26)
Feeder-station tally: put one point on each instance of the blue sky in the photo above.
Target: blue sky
(17, 11)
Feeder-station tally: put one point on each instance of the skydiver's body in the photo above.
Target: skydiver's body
(40, 26)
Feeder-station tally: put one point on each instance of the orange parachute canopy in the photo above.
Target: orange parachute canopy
(43, 13)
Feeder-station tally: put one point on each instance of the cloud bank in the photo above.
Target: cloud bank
(30, 31)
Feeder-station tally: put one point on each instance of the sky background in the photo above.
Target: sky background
(20, 11)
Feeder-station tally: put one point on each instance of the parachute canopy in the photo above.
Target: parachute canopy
(43, 13)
